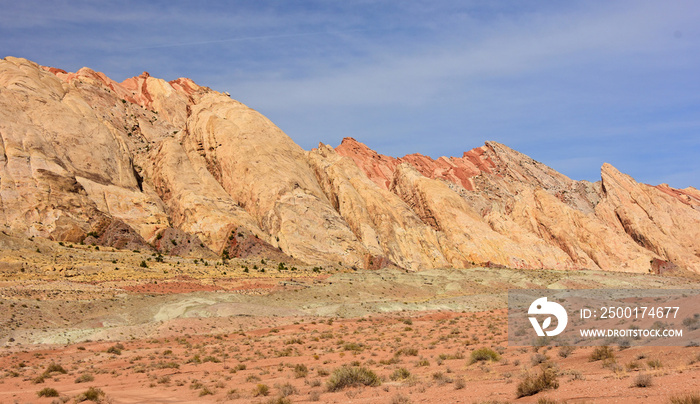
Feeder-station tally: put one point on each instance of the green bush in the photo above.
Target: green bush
(484, 354)
(352, 376)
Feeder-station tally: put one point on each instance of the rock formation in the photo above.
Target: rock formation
(182, 169)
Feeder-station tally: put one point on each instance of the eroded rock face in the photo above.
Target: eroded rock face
(186, 170)
(661, 219)
(384, 224)
(615, 224)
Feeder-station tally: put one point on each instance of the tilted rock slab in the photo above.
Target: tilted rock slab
(151, 162)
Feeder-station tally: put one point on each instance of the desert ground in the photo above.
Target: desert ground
(84, 323)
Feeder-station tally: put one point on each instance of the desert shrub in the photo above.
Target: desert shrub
(687, 399)
(54, 367)
(315, 396)
(287, 390)
(391, 361)
(232, 394)
(47, 392)
(423, 362)
(602, 353)
(446, 356)
(115, 349)
(400, 399)
(484, 354)
(143, 264)
(261, 390)
(642, 380)
(460, 384)
(84, 378)
(279, 400)
(300, 370)
(565, 351)
(205, 391)
(407, 352)
(352, 376)
(353, 346)
(654, 363)
(692, 323)
(400, 374)
(91, 394)
(538, 358)
(545, 379)
(166, 365)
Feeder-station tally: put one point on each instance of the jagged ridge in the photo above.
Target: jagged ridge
(146, 160)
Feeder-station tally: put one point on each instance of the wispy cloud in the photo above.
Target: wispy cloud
(566, 82)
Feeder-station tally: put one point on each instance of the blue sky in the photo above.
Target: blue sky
(572, 84)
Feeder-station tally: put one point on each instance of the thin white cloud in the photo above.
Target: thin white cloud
(512, 49)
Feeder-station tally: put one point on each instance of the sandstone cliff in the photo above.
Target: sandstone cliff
(183, 169)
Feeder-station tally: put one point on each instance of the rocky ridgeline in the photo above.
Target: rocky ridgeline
(186, 170)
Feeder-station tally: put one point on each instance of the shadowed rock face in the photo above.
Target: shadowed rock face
(188, 170)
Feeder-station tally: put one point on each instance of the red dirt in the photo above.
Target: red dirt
(180, 368)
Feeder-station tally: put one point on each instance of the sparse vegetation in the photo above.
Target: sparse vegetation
(91, 394)
(47, 392)
(85, 377)
(602, 353)
(54, 368)
(642, 380)
(400, 399)
(352, 376)
(533, 383)
(115, 349)
(300, 370)
(400, 374)
(261, 390)
(693, 398)
(484, 354)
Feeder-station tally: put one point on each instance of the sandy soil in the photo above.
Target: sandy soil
(179, 332)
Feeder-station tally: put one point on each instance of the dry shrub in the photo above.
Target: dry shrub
(352, 376)
(642, 380)
(484, 354)
(602, 353)
(693, 398)
(545, 379)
